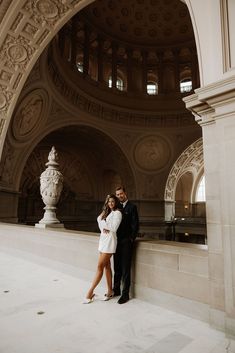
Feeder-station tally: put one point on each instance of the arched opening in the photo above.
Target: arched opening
(183, 195)
(84, 60)
(201, 190)
(90, 173)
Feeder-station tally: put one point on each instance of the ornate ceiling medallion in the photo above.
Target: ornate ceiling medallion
(29, 115)
(152, 153)
(17, 53)
(48, 11)
(47, 8)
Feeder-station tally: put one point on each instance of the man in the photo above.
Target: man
(126, 235)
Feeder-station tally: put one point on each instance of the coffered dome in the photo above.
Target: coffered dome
(142, 22)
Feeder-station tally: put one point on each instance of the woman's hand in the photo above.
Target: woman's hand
(106, 231)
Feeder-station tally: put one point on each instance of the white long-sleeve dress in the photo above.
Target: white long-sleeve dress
(108, 241)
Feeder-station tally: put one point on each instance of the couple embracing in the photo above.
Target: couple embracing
(119, 224)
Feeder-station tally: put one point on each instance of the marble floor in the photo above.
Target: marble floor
(41, 311)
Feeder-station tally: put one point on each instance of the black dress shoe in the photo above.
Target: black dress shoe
(123, 299)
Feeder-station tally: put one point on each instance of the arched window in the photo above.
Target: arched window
(186, 85)
(152, 88)
(119, 83)
(200, 194)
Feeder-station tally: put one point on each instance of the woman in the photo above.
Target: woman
(108, 221)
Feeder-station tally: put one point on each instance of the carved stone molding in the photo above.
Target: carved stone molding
(16, 52)
(4, 5)
(27, 31)
(5, 97)
(8, 159)
(46, 11)
(190, 160)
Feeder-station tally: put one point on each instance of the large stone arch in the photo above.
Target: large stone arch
(26, 29)
(190, 161)
(92, 165)
(19, 164)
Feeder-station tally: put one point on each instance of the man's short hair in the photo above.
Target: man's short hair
(120, 187)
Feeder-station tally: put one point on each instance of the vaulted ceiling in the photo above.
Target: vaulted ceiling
(142, 22)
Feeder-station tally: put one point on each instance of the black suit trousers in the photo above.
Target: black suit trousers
(122, 266)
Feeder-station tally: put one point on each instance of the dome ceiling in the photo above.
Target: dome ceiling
(142, 22)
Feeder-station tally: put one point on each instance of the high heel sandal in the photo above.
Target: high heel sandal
(107, 297)
(89, 300)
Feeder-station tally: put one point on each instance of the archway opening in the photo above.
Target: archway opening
(92, 165)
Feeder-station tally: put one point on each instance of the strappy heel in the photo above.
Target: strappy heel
(107, 297)
(89, 300)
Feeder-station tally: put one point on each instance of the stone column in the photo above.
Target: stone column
(160, 72)
(129, 69)
(114, 65)
(169, 210)
(100, 60)
(177, 70)
(51, 185)
(74, 44)
(194, 68)
(144, 71)
(214, 108)
(86, 51)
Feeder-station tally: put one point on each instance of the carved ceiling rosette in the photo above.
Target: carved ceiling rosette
(48, 11)
(16, 52)
(152, 153)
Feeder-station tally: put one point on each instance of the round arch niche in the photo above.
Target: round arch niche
(92, 165)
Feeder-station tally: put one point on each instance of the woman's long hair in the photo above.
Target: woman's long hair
(106, 210)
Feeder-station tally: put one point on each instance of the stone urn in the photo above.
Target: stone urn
(51, 185)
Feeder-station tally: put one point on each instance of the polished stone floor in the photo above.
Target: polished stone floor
(41, 311)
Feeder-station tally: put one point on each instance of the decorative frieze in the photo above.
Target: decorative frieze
(109, 113)
(5, 97)
(5, 76)
(46, 11)
(2, 122)
(30, 30)
(17, 21)
(7, 161)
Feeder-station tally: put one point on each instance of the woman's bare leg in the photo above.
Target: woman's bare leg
(108, 274)
(102, 261)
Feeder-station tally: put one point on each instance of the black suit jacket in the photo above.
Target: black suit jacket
(129, 226)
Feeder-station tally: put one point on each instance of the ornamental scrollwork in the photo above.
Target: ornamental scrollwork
(190, 160)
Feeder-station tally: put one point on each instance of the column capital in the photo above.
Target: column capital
(212, 102)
